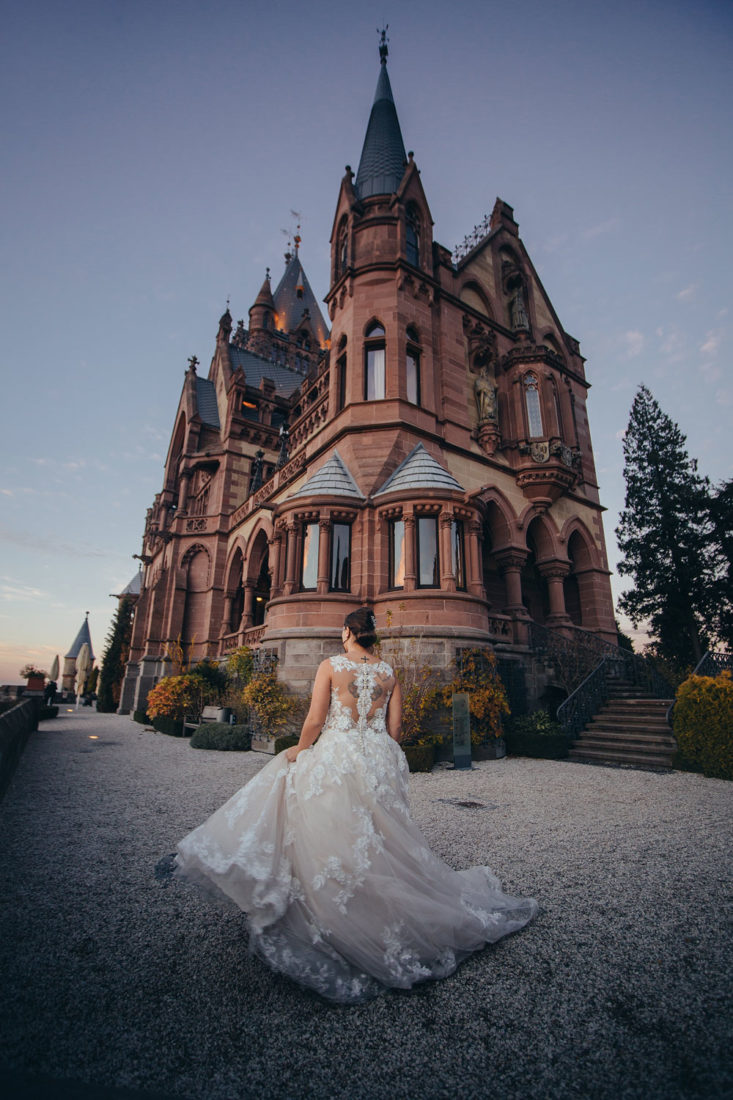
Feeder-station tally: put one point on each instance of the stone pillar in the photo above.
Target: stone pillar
(249, 599)
(274, 562)
(410, 564)
(473, 565)
(226, 625)
(289, 585)
(555, 573)
(323, 540)
(510, 563)
(447, 576)
(183, 494)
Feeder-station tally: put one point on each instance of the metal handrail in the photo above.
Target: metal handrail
(587, 699)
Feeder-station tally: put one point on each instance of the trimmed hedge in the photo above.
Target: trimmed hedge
(174, 727)
(286, 741)
(420, 758)
(220, 735)
(703, 725)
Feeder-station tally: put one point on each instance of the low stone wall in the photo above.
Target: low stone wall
(16, 725)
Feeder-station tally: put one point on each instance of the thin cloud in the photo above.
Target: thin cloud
(686, 294)
(29, 541)
(634, 341)
(10, 590)
(601, 228)
(712, 342)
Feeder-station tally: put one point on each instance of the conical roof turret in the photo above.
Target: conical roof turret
(383, 158)
(264, 298)
(82, 637)
(293, 297)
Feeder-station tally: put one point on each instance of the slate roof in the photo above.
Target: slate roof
(333, 479)
(133, 588)
(419, 471)
(256, 368)
(293, 296)
(82, 636)
(382, 163)
(206, 402)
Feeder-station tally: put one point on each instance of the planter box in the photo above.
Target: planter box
(543, 746)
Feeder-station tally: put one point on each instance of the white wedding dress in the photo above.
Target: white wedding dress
(341, 890)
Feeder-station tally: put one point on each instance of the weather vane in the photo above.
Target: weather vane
(383, 40)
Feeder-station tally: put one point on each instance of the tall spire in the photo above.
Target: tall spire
(382, 163)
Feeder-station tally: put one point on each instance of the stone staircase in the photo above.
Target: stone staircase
(631, 728)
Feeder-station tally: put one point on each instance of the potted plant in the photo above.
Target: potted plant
(34, 676)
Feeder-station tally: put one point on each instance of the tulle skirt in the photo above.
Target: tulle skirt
(340, 888)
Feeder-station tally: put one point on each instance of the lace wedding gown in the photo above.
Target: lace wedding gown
(340, 888)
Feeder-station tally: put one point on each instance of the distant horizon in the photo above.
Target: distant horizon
(155, 166)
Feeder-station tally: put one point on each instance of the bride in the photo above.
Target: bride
(340, 888)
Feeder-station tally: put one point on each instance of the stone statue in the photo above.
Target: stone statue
(485, 394)
(518, 311)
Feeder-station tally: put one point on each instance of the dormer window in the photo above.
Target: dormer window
(374, 363)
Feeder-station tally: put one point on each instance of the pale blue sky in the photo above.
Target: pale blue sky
(153, 153)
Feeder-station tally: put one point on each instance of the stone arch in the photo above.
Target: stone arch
(541, 547)
(370, 328)
(257, 577)
(234, 591)
(196, 569)
(472, 295)
(579, 585)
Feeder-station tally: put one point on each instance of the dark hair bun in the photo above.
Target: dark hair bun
(363, 625)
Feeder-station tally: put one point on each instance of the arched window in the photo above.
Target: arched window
(374, 363)
(341, 373)
(342, 250)
(412, 235)
(532, 404)
(412, 365)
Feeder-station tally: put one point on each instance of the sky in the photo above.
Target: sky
(155, 153)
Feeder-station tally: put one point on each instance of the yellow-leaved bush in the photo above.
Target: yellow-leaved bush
(703, 725)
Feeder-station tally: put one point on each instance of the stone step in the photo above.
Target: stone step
(601, 729)
(628, 725)
(635, 717)
(622, 744)
(608, 756)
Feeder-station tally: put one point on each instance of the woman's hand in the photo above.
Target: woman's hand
(291, 753)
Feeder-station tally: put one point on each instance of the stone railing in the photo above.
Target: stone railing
(16, 725)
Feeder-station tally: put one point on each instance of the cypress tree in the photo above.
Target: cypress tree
(116, 652)
(665, 535)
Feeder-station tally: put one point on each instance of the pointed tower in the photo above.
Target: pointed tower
(383, 159)
(69, 673)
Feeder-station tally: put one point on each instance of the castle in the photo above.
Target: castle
(429, 454)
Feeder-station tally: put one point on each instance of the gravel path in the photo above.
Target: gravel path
(113, 976)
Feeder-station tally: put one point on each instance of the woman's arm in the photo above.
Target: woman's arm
(316, 715)
(394, 713)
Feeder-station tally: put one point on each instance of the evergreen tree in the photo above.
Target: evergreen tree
(721, 516)
(665, 535)
(116, 652)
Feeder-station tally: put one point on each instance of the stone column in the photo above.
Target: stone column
(249, 598)
(289, 585)
(555, 573)
(410, 564)
(323, 540)
(226, 625)
(183, 494)
(447, 576)
(274, 562)
(475, 578)
(510, 563)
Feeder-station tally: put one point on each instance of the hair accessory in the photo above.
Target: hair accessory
(371, 621)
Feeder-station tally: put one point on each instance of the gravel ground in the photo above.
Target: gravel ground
(127, 980)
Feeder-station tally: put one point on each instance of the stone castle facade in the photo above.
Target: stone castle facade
(429, 454)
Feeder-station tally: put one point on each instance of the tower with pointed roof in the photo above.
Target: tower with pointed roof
(429, 456)
(83, 637)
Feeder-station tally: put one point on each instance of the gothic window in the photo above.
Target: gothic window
(428, 562)
(309, 557)
(249, 409)
(412, 235)
(340, 557)
(342, 250)
(374, 363)
(532, 404)
(458, 556)
(397, 553)
(412, 366)
(341, 373)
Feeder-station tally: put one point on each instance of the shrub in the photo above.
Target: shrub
(173, 727)
(48, 712)
(141, 717)
(536, 735)
(476, 674)
(421, 695)
(703, 725)
(180, 696)
(420, 758)
(270, 702)
(220, 735)
(287, 741)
